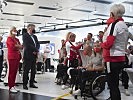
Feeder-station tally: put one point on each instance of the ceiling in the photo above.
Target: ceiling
(57, 14)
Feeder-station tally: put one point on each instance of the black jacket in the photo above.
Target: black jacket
(29, 46)
(2, 53)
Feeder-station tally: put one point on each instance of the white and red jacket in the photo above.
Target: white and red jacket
(115, 41)
(72, 50)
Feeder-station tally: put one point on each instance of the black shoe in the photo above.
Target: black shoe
(35, 81)
(1, 80)
(33, 86)
(25, 87)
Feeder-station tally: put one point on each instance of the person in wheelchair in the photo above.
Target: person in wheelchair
(40, 62)
(92, 69)
(61, 71)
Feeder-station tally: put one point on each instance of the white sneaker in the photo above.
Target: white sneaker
(16, 89)
(56, 80)
(127, 92)
(13, 90)
(64, 87)
(77, 92)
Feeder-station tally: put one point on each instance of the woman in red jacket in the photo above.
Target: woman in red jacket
(114, 44)
(14, 57)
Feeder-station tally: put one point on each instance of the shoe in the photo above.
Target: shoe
(77, 92)
(56, 80)
(33, 86)
(35, 81)
(64, 87)
(25, 87)
(127, 92)
(16, 89)
(12, 90)
(1, 80)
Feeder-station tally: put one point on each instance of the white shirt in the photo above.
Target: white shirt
(40, 57)
(33, 40)
(68, 45)
(47, 52)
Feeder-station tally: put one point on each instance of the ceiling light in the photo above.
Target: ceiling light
(53, 18)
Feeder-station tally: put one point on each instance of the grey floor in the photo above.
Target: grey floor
(48, 88)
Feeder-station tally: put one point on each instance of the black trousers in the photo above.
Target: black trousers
(125, 79)
(47, 64)
(1, 65)
(29, 65)
(61, 71)
(113, 79)
(76, 78)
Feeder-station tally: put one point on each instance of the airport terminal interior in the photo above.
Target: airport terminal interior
(53, 19)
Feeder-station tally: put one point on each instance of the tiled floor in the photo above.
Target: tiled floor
(47, 89)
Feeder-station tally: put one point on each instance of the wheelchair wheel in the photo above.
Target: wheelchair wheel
(99, 89)
(4, 71)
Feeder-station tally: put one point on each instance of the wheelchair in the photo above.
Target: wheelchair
(40, 67)
(96, 88)
(4, 71)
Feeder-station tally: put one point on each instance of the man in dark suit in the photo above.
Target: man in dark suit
(31, 48)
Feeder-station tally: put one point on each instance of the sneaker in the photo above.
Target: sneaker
(56, 80)
(16, 89)
(13, 90)
(127, 92)
(64, 87)
(77, 92)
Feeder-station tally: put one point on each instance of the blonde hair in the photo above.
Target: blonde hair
(71, 35)
(11, 29)
(68, 35)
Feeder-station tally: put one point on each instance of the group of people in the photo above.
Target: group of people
(30, 52)
(109, 53)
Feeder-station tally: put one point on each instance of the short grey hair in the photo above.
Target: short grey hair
(30, 25)
(118, 10)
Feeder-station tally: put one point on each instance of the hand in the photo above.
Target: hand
(80, 67)
(85, 39)
(90, 69)
(35, 53)
(20, 47)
